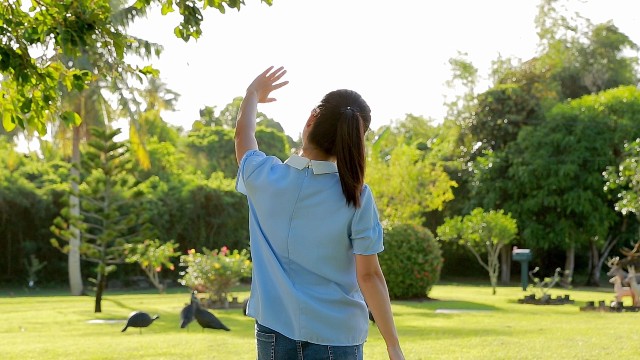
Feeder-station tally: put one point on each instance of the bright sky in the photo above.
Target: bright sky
(395, 54)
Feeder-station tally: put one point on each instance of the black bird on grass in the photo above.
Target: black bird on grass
(206, 319)
(139, 319)
(186, 315)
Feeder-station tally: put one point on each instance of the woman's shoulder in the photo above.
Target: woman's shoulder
(254, 168)
(256, 158)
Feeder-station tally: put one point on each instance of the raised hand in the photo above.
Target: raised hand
(265, 83)
(257, 92)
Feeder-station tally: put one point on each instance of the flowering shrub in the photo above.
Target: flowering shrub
(411, 261)
(215, 272)
(152, 255)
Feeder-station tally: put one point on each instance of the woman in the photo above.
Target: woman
(314, 232)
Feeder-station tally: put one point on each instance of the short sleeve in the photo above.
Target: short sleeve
(366, 230)
(253, 162)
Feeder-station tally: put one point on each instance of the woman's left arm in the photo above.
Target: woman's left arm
(376, 295)
(257, 92)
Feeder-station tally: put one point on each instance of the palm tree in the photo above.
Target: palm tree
(111, 83)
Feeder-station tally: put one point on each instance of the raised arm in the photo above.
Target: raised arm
(257, 92)
(376, 294)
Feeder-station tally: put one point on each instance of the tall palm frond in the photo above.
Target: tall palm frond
(124, 16)
(158, 97)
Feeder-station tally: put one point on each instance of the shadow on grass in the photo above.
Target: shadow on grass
(18, 292)
(120, 304)
(425, 332)
(433, 305)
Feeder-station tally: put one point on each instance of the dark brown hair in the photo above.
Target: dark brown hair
(342, 118)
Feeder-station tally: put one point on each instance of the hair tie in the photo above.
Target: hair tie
(350, 109)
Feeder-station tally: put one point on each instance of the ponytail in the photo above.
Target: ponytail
(342, 117)
(350, 155)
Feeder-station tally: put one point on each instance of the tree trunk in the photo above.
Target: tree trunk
(505, 261)
(493, 278)
(9, 255)
(154, 277)
(75, 275)
(100, 284)
(594, 259)
(597, 258)
(569, 265)
(493, 262)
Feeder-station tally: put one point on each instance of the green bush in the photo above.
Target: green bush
(411, 261)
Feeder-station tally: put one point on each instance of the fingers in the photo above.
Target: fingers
(279, 85)
(266, 82)
(264, 73)
(277, 74)
(274, 76)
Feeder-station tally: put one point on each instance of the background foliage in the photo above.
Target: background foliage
(534, 143)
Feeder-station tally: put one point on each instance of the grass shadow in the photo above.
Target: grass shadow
(120, 304)
(418, 332)
(446, 304)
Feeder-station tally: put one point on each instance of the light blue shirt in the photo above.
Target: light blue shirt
(303, 240)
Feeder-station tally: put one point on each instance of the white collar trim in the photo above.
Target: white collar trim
(318, 167)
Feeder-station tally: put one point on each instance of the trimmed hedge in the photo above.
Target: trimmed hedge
(411, 261)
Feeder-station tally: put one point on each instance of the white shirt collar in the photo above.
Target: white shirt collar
(318, 167)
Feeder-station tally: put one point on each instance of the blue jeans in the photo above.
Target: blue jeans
(274, 346)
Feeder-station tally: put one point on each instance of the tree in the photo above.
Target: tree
(406, 185)
(108, 219)
(405, 171)
(226, 118)
(211, 150)
(156, 98)
(162, 140)
(210, 143)
(465, 78)
(152, 255)
(197, 211)
(482, 233)
(552, 24)
(555, 183)
(502, 111)
(576, 58)
(268, 123)
(625, 180)
(30, 192)
(623, 185)
(112, 75)
(85, 104)
(30, 92)
(273, 142)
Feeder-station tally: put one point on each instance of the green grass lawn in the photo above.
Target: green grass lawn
(55, 326)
